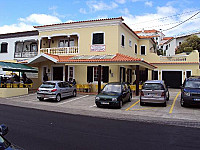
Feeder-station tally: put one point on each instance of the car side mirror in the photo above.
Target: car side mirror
(3, 129)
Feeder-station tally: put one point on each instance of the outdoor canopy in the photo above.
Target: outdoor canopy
(8, 66)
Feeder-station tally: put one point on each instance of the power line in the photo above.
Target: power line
(182, 22)
(166, 24)
(165, 18)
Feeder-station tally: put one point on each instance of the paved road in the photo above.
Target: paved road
(41, 130)
(173, 114)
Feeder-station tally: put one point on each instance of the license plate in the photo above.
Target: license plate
(106, 103)
(196, 99)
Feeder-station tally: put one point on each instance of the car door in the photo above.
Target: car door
(125, 93)
(68, 89)
(61, 89)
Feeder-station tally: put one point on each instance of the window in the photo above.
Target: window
(154, 75)
(188, 74)
(166, 47)
(135, 48)
(98, 38)
(19, 47)
(33, 47)
(4, 47)
(123, 41)
(179, 43)
(92, 74)
(66, 43)
(71, 72)
(130, 43)
(143, 51)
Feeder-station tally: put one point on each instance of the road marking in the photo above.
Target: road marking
(149, 108)
(132, 105)
(73, 100)
(171, 109)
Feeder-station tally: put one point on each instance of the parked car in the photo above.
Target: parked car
(4, 143)
(113, 94)
(55, 90)
(154, 91)
(190, 92)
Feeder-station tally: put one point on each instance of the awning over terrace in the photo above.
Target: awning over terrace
(8, 66)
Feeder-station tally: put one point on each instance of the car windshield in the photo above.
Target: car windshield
(153, 86)
(4, 143)
(192, 84)
(111, 88)
(48, 85)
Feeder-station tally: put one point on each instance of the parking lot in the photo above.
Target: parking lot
(85, 105)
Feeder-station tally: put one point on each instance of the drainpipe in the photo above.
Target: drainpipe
(99, 79)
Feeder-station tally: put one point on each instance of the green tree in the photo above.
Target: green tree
(189, 44)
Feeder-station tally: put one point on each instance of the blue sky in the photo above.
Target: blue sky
(22, 15)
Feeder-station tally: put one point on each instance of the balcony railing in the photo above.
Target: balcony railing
(60, 50)
(182, 58)
(25, 54)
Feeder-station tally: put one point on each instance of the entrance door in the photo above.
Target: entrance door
(172, 79)
(58, 73)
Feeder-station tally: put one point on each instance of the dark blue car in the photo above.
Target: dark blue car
(190, 92)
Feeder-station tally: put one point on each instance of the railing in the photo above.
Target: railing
(173, 58)
(25, 54)
(60, 50)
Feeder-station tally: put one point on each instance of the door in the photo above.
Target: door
(58, 73)
(67, 89)
(172, 79)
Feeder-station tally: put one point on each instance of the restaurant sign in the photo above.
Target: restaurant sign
(98, 48)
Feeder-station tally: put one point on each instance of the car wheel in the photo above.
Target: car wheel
(168, 96)
(41, 99)
(182, 103)
(98, 106)
(58, 98)
(120, 104)
(141, 103)
(129, 99)
(164, 104)
(74, 93)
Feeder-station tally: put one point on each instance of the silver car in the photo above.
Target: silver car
(55, 90)
(154, 91)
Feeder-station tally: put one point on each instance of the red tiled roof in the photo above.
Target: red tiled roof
(117, 58)
(148, 37)
(79, 22)
(147, 31)
(167, 38)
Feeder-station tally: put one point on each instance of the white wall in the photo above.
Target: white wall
(11, 46)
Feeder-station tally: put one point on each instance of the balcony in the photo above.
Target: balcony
(61, 50)
(25, 54)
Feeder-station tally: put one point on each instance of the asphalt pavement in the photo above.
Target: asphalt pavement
(34, 129)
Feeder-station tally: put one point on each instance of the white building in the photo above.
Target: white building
(18, 46)
(172, 44)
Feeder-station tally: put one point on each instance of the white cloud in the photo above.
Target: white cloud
(15, 28)
(161, 20)
(41, 19)
(83, 11)
(121, 1)
(149, 3)
(100, 5)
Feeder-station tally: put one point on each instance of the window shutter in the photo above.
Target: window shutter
(98, 38)
(89, 74)
(105, 74)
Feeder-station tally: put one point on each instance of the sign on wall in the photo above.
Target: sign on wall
(98, 48)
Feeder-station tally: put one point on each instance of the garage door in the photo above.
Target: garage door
(172, 79)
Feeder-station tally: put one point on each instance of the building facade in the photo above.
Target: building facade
(18, 46)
